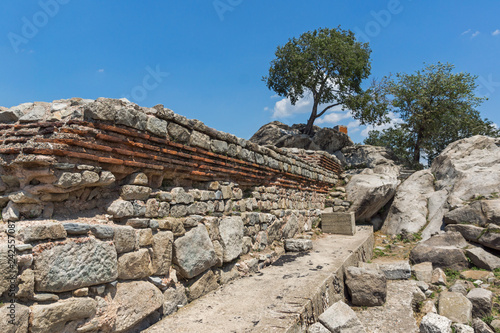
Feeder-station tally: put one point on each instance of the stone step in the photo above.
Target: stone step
(285, 297)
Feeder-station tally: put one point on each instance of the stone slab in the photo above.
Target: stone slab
(338, 223)
(297, 287)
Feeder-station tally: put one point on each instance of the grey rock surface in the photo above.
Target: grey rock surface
(231, 234)
(74, 265)
(434, 323)
(455, 307)
(482, 302)
(366, 287)
(61, 316)
(483, 259)
(194, 252)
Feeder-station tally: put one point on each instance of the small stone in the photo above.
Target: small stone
(438, 277)
(480, 326)
(144, 237)
(423, 271)
(24, 247)
(318, 328)
(397, 270)
(173, 299)
(76, 228)
(81, 292)
(102, 231)
(138, 223)
(462, 328)
(69, 179)
(45, 297)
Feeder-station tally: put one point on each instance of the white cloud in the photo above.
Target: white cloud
(475, 34)
(266, 108)
(394, 121)
(496, 32)
(284, 108)
(466, 32)
(275, 96)
(334, 117)
(100, 70)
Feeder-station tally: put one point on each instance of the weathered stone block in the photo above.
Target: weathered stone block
(366, 287)
(76, 228)
(423, 271)
(483, 259)
(482, 301)
(135, 265)
(144, 237)
(124, 238)
(202, 285)
(121, 208)
(456, 307)
(434, 323)
(396, 270)
(173, 298)
(133, 302)
(8, 270)
(102, 231)
(74, 265)
(19, 323)
(135, 192)
(194, 252)
(42, 231)
(198, 139)
(231, 233)
(156, 126)
(56, 317)
(338, 223)
(162, 252)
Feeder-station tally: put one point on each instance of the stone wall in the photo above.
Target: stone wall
(121, 214)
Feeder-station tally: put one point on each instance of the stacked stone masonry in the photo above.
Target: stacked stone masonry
(121, 214)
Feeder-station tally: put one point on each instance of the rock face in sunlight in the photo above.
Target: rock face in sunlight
(284, 136)
(461, 189)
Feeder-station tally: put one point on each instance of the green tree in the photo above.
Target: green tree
(436, 106)
(330, 65)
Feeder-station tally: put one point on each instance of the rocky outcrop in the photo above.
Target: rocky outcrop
(460, 187)
(284, 136)
(443, 250)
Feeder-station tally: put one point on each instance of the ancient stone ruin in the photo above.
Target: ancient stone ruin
(108, 204)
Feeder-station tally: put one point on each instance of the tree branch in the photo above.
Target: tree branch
(327, 108)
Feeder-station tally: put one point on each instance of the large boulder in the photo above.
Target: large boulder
(371, 189)
(443, 250)
(284, 136)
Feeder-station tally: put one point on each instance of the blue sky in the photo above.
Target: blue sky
(205, 59)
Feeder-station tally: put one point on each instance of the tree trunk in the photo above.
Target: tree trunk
(416, 149)
(309, 127)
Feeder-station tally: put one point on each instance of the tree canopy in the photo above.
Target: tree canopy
(330, 65)
(436, 107)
